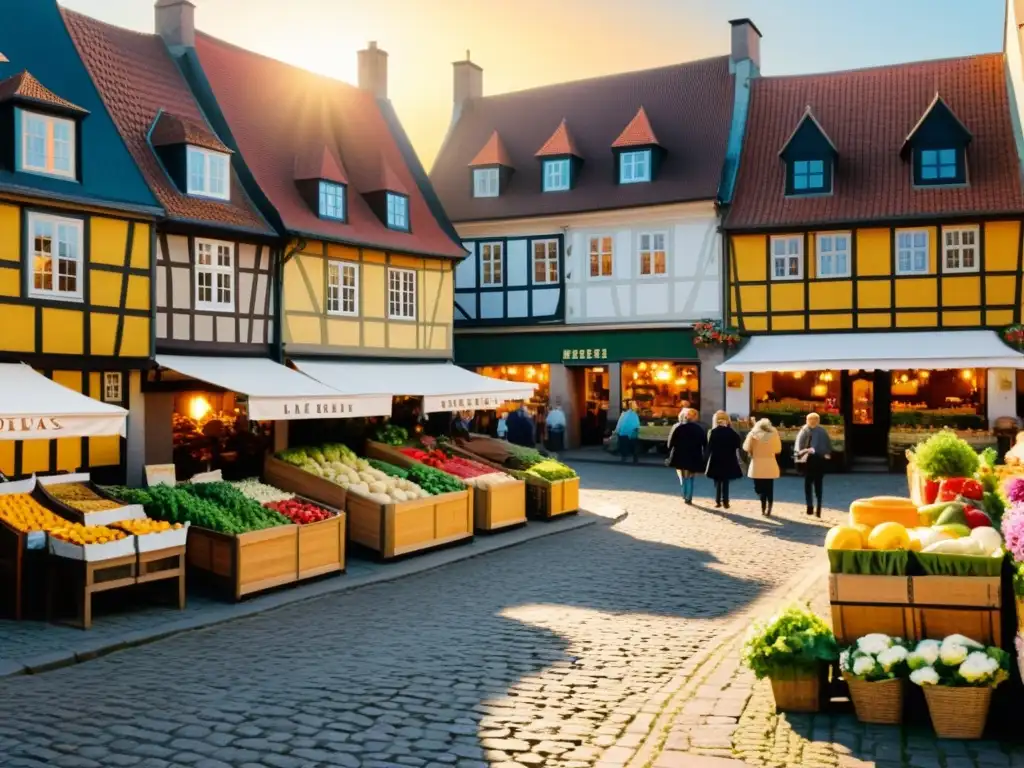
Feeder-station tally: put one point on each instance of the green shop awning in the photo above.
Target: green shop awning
(574, 347)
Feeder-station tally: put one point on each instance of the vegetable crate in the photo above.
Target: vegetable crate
(404, 527)
(118, 511)
(22, 573)
(288, 477)
(916, 607)
(494, 508)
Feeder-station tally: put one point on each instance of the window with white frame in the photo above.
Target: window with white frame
(635, 166)
(490, 263)
(47, 144)
(601, 256)
(788, 258)
(342, 288)
(545, 262)
(834, 255)
(556, 175)
(653, 257)
(485, 182)
(332, 201)
(912, 252)
(398, 212)
(208, 173)
(112, 387)
(960, 249)
(215, 276)
(55, 255)
(401, 294)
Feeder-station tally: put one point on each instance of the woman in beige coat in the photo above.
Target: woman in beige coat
(763, 444)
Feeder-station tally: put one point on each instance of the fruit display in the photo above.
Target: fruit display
(81, 497)
(471, 473)
(338, 464)
(882, 509)
(217, 506)
(300, 512)
(144, 526)
(76, 533)
(253, 489)
(514, 457)
(24, 514)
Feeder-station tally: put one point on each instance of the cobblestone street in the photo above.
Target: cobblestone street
(543, 654)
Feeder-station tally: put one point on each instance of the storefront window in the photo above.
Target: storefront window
(539, 374)
(212, 431)
(789, 396)
(660, 389)
(953, 398)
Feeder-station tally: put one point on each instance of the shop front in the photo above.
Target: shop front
(878, 394)
(594, 374)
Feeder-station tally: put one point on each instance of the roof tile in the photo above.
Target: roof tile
(25, 86)
(560, 143)
(493, 153)
(869, 113)
(638, 133)
(173, 129)
(319, 163)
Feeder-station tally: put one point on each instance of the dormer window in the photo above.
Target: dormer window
(635, 167)
(47, 144)
(938, 166)
(810, 157)
(556, 175)
(398, 212)
(332, 201)
(208, 174)
(937, 147)
(486, 182)
(808, 175)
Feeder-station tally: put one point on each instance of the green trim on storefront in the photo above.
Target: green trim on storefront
(575, 347)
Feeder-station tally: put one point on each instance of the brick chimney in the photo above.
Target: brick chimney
(373, 70)
(176, 23)
(746, 44)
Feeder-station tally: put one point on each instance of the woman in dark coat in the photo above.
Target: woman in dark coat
(724, 446)
(686, 445)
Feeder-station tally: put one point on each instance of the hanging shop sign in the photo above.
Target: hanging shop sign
(434, 404)
(286, 408)
(50, 427)
(574, 347)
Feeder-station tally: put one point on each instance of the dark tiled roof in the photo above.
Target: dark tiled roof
(493, 153)
(868, 114)
(690, 103)
(24, 86)
(293, 110)
(319, 162)
(560, 143)
(174, 129)
(137, 79)
(638, 133)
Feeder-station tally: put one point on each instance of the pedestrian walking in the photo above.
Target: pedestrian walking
(502, 427)
(762, 445)
(627, 431)
(520, 429)
(687, 443)
(723, 465)
(813, 448)
(556, 428)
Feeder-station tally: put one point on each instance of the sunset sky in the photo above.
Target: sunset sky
(525, 43)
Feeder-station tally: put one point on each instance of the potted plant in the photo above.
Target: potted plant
(957, 676)
(792, 650)
(711, 333)
(874, 668)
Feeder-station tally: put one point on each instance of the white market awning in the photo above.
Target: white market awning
(931, 350)
(276, 392)
(35, 407)
(443, 386)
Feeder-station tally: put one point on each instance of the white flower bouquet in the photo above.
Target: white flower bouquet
(875, 657)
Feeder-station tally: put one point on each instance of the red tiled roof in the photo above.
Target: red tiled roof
(869, 113)
(560, 143)
(691, 104)
(136, 79)
(938, 100)
(24, 86)
(809, 115)
(319, 163)
(275, 122)
(493, 153)
(174, 129)
(638, 133)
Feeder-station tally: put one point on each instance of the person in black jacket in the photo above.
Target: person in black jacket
(687, 443)
(520, 428)
(723, 466)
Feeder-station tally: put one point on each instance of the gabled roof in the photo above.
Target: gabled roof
(869, 112)
(149, 99)
(492, 153)
(169, 130)
(690, 103)
(284, 117)
(638, 133)
(559, 143)
(808, 116)
(24, 87)
(319, 163)
(936, 106)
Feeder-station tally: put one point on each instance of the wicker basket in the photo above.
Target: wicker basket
(798, 693)
(958, 713)
(879, 702)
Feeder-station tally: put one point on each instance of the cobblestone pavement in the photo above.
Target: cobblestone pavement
(544, 654)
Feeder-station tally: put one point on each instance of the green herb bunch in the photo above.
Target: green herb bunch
(946, 455)
(792, 642)
(549, 469)
(434, 481)
(388, 469)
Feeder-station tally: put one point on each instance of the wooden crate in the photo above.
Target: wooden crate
(865, 604)
(404, 527)
(321, 547)
(246, 563)
(288, 477)
(22, 575)
(494, 508)
(104, 517)
(82, 579)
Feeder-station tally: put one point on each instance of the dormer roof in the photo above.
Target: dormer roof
(560, 144)
(169, 130)
(320, 163)
(937, 108)
(25, 88)
(638, 133)
(808, 116)
(492, 153)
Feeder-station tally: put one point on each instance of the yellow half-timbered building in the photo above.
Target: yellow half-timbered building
(874, 250)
